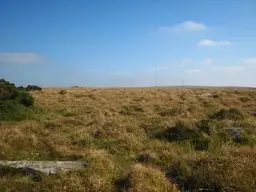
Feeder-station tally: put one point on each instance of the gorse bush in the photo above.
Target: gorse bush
(14, 102)
(12, 110)
(8, 91)
(25, 99)
(33, 88)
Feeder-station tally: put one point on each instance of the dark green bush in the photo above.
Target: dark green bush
(179, 132)
(206, 126)
(12, 110)
(14, 102)
(33, 88)
(201, 144)
(63, 92)
(26, 99)
(233, 114)
(21, 88)
(244, 99)
(8, 90)
(215, 96)
(212, 174)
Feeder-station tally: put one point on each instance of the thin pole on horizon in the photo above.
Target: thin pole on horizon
(156, 77)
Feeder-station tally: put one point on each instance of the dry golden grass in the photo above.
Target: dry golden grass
(145, 178)
(123, 132)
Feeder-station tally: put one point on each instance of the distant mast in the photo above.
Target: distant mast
(156, 77)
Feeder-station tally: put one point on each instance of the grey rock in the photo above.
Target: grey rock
(237, 134)
(49, 167)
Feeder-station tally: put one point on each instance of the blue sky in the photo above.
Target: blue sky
(124, 42)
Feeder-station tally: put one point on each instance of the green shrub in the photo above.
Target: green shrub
(21, 88)
(215, 96)
(33, 88)
(179, 132)
(224, 136)
(14, 102)
(201, 144)
(213, 174)
(244, 99)
(63, 92)
(206, 126)
(8, 90)
(12, 110)
(26, 99)
(233, 114)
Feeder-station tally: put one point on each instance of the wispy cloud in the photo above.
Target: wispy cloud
(233, 68)
(250, 60)
(184, 27)
(206, 62)
(187, 61)
(194, 71)
(163, 67)
(20, 58)
(211, 43)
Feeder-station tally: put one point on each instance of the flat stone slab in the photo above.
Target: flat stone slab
(45, 166)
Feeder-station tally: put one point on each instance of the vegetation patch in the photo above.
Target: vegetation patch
(147, 157)
(63, 92)
(206, 126)
(132, 110)
(181, 131)
(233, 114)
(213, 174)
(15, 104)
(33, 88)
(244, 99)
(169, 112)
(131, 139)
(201, 144)
(146, 178)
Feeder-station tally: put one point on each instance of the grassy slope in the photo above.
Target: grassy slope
(123, 134)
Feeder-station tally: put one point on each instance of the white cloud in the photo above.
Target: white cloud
(206, 62)
(211, 43)
(194, 71)
(184, 27)
(231, 75)
(187, 61)
(20, 58)
(163, 67)
(250, 60)
(233, 68)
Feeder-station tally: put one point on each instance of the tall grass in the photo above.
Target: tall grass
(134, 139)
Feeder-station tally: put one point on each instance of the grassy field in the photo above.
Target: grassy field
(136, 139)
